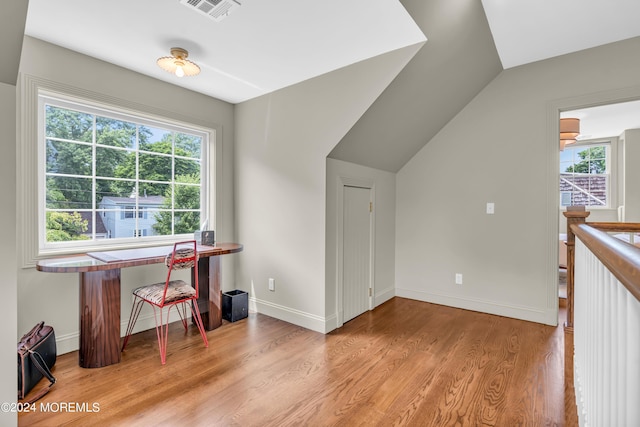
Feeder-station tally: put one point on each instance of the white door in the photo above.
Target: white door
(356, 253)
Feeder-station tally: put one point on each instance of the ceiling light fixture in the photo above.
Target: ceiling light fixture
(178, 63)
(569, 131)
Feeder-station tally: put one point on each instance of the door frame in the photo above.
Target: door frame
(554, 108)
(369, 184)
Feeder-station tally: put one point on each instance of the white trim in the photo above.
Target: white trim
(547, 316)
(384, 296)
(554, 108)
(293, 316)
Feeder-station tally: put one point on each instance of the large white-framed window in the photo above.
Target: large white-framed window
(31, 168)
(113, 177)
(586, 175)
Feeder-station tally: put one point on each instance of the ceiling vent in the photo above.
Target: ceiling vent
(214, 9)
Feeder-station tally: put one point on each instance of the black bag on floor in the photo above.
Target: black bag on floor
(36, 357)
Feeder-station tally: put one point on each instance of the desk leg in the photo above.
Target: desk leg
(209, 297)
(99, 318)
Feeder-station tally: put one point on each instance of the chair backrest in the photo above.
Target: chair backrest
(181, 258)
(184, 255)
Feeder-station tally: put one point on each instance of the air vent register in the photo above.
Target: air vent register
(214, 9)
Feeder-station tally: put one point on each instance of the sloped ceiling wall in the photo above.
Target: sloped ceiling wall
(12, 21)
(456, 63)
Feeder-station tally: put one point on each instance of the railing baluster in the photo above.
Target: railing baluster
(606, 329)
(632, 364)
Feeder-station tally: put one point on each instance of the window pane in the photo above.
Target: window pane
(68, 124)
(101, 219)
(115, 133)
(163, 222)
(108, 190)
(188, 145)
(187, 167)
(68, 192)
(186, 222)
(186, 197)
(157, 140)
(155, 168)
(69, 158)
(113, 163)
(597, 190)
(63, 226)
(150, 190)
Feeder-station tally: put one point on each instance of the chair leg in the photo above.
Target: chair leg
(162, 331)
(162, 324)
(195, 312)
(133, 318)
(182, 312)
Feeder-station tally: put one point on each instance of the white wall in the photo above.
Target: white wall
(383, 185)
(282, 140)
(501, 148)
(54, 297)
(8, 302)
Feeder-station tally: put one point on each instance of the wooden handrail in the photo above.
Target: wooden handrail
(576, 218)
(621, 258)
(623, 227)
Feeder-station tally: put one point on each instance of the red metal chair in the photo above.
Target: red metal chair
(169, 294)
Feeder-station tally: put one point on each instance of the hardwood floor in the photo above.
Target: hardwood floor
(405, 363)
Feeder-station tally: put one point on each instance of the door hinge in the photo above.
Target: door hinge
(370, 206)
(370, 292)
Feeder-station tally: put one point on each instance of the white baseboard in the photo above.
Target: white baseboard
(384, 296)
(531, 314)
(70, 342)
(307, 320)
(290, 315)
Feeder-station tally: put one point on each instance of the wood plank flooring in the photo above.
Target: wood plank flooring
(406, 363)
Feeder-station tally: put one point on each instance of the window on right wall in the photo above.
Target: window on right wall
(585, 175)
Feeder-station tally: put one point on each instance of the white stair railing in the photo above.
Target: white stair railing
(606, 333)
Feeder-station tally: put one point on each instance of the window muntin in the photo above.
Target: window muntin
(112, 176)
(585, 175)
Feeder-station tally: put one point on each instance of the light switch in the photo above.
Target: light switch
(490, 208)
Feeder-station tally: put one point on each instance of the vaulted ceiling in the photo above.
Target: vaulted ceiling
(470, 43)
(456, 62)
(265, 46)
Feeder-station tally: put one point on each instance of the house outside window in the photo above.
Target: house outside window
(585, 175)
(112, 175)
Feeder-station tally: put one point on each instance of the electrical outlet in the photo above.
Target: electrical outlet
(272, 285)
(458, 279)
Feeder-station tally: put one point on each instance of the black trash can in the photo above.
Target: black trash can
(235, 305)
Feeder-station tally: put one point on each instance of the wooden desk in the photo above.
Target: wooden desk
(100, 293)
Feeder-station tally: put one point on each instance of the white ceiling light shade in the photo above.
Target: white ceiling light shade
(178, 63)
(569, 131)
